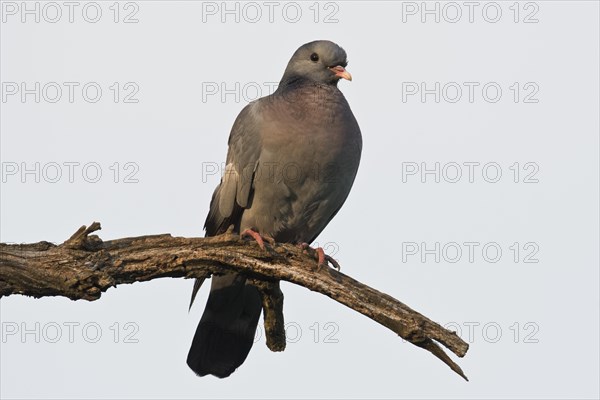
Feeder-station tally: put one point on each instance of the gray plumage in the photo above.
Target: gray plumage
(292, 159)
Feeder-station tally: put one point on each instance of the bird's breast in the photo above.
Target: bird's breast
(309, 158)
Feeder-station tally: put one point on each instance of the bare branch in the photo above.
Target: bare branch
(84, 266)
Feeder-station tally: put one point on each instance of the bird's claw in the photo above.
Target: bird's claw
(333, 262)
(323, 260)
(257, 237)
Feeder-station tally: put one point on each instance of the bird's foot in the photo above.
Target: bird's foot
(323, 260)
(254, 235)
(258, 238)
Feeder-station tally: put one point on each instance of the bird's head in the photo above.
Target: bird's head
(320, 61)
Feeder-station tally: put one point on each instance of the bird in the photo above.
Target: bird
(292, 159)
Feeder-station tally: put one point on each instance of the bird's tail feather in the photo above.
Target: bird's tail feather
(225, 333)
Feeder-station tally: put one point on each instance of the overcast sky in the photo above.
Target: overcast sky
(476, 201)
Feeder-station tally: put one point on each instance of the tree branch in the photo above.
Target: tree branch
(84, 266)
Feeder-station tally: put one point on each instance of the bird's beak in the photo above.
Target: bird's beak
(340, 71)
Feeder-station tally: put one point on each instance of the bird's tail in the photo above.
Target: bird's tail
(225, 333)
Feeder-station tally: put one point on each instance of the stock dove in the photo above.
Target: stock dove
(292, 159)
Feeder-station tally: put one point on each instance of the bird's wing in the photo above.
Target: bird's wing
(233, 194)
(235, 190)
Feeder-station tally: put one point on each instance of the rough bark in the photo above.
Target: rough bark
(84, 266)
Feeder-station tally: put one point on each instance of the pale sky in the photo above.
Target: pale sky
(476, 202)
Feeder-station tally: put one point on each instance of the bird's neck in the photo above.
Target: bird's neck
(294, 81)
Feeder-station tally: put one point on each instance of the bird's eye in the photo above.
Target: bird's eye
(314, 57)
